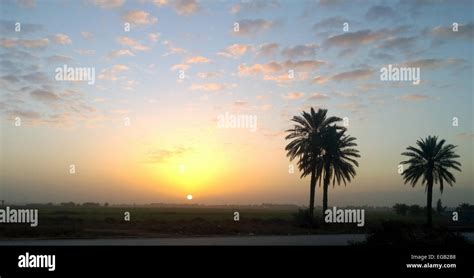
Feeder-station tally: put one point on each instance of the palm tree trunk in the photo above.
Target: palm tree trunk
(428, 203)
(327, 179)
(312, 194)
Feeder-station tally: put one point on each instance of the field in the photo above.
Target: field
(147, 222)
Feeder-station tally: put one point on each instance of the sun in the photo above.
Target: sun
(194, 171)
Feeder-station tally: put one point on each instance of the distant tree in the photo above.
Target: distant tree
(90, 204)
(465, 207)
(400, 209)
(439, 207)
(430, 163)
(415, 209)
(106, 204)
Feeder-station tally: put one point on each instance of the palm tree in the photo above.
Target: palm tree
(431, 162)
(337, 160)
(306, 137)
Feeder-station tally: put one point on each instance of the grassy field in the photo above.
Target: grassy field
(108, 222)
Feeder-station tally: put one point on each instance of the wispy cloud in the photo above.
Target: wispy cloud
(107, 4)
(138, 17)
(300, 51)
(132, 43)
(414, 97)
(25, 43)
(294, 95)
(112, 72)
(211, 87)
(235, 50)
(61, 39)
(249, 27)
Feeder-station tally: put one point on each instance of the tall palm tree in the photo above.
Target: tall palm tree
(337, 160)
(306, 137)
(431, 162)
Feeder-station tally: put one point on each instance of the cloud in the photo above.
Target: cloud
(358, 74)
(197, 60)
(273, 67)
(211, 87)
(253, 6)
(36, 78)
(352, 75)
(353, 39)
(330, 23)
(186, 7)
(137, 17)
(27, 114)
(44, 96)
(248, 27)
(59, 59)
(172, 49)
(108, 4)
(127, 41)
(61, 39)
(259, 68)
(293, 95)
(318, 96)
(380, 12)
(160, 3)
(180, 67)
(14, 42)
(111, 73)
(303, 65)
(235, 50)
(85, 52)
(446, 33)
(10, 78)
(400, 43)
(193, 60)
(153, 37)
(207, 75)
(433, 63)
(119, 53)
(240, 103)
(267, 50)
(414, 97)
(87, 35)
(163, 155)
(300, 51)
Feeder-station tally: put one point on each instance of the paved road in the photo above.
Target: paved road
(320, 240)
(314, 240)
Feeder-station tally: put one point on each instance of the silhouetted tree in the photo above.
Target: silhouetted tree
(431, 163)
(305, 145)
(337, 160)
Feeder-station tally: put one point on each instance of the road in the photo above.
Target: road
(314, 240)
(301, 240)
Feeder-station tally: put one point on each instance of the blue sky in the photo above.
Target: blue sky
(245, 72)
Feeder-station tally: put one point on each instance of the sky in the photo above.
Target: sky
(148, 128)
